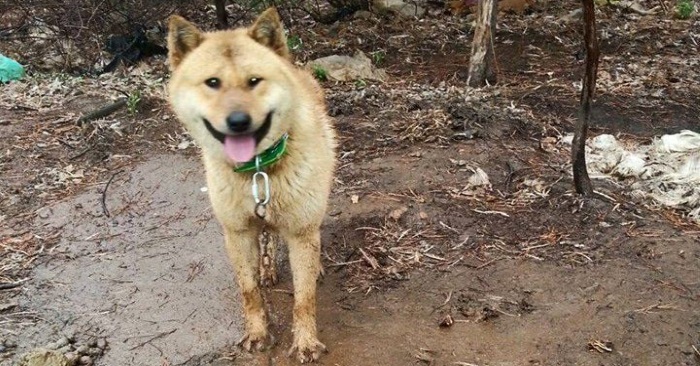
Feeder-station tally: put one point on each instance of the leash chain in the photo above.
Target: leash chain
(261, 194)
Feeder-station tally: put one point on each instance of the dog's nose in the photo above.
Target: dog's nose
(238, 121)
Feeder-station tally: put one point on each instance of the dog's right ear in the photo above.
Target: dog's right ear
(183, 37)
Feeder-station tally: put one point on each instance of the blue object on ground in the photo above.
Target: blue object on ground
(10, 69)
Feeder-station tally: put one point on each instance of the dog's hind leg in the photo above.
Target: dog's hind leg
(242, 249)
(305, 262)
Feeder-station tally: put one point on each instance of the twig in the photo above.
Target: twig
(648, 309)
(161, 335)
(283, 291)
(491, 212)
(341, 264)
(103, 111)
(370, 260)
(104, 193)
(82, 152)
(536, 247)
(449, 227)
(490, 262)
(433, 256)
(447, 300)
(9, 285)
(600, 346)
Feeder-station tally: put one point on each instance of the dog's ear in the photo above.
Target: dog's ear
(268, 31)
(183, 37)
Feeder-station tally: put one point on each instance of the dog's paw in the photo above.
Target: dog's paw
(307, 349)
(258, 342)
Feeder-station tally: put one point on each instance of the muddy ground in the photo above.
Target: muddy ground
(108, 240)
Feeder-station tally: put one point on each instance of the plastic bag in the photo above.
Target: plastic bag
(10, 69)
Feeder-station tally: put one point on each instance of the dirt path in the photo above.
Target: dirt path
(153, 281)
(140, 277)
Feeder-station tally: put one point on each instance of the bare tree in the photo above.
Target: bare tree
(221, 16)
(483, 57)
(582, 181)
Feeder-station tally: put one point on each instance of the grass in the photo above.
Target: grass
(320, 73)
(685, 8)
(294, 43)
(132, 102)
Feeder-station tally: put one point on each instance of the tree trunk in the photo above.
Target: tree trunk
(578, 149)
(221, 16)
(483, 57)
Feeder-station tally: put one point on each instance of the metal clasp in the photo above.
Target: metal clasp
(260, 202)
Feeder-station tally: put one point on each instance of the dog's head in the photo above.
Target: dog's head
(231, 88)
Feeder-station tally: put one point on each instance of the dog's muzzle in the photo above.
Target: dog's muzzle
(259, 134)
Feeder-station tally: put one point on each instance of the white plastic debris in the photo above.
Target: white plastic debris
(666, 171)
(479, 179)
(684, 141)
(630, 165)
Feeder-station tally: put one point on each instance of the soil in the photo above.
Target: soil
(422, 268)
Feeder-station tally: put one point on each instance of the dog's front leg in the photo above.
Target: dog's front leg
(305, 262)
(242, 249)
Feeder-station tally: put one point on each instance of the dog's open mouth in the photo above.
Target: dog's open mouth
(241, 147)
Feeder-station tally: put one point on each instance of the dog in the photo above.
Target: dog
(240, 97)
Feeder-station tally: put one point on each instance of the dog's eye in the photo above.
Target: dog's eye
(213, 83)
(252, 82)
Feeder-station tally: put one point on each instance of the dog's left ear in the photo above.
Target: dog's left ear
(268, 31)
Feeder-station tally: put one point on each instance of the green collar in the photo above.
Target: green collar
(266, 158)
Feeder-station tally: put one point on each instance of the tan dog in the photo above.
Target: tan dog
(239, 95)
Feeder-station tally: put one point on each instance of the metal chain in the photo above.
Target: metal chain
(261, 194)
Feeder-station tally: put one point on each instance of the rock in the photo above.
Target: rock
(44, 212)
(9, 344)
(62, 342)
(346, 68)
(82, 350)
(70, 335)
(101, 343)
(86, 360)
(398, 7)
(397, 213)
(573, 16)
(363, 14)
(72, 357)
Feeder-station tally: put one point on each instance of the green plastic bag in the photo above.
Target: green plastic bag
(10, 69)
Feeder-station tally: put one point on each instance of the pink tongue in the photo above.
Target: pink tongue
(240, 148)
